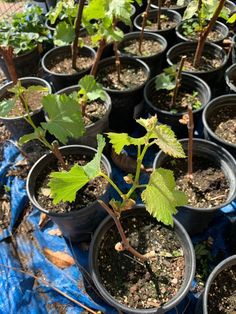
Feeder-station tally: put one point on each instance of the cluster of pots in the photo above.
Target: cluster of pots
(122, 109)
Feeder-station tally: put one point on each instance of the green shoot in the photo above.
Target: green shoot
(89, 91)
(161, 184)
(64, 119)
(171, 80)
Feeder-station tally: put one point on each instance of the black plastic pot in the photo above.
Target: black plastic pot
(179, 9)
(75, 225)
(154, 61)
(60, 80)
(124, 102)
(189, 255)
(189, 83)
(230, 78)
(202, 306)
(210, 111)
(196, 220)
(26, 64)
(168, 34)
(213, 76)
(17, 125)
(91, 131)
(219, 27)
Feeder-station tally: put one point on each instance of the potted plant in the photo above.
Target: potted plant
(219, 119)
(170, 93)
(123, 78)
(66, 64)
(230, 78)
(161, 21)
(195, 20)
(64, 120)
(150, 48)
(208, 177)
(128, 219)
(24, 34)
(205, 60)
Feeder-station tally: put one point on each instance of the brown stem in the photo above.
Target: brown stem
(7, 54)
(46, 283)
(102, 45)
(57, 153)
(159, 15)
(190, 142)
(117, 56)
(145, 16)
(125, 242)
(77, 32)
(178, 82)
(203, 36)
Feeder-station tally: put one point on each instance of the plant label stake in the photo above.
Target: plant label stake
(177, 81)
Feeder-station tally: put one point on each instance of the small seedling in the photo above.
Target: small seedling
(64, 185)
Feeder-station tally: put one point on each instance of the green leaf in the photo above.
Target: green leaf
(167, 141)
(94, 10)
(120, 140)
(191, 10)
(37, 88)
(90, 88)
(166, 80)
(64, 34)
(160, 196)
(232, 19)
(92, 168)
(6, 106)
(180, 3)
(149, 124)
(64, 185)
(39, 132)
(65, 118)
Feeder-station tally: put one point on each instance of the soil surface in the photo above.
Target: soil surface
(223, 123)
(212, 37)
(207, 63)
(142, 284)
(34, 101)
(149, 48)
(85, 196)
(94, 112)
(130, 77)
(222, 294)
(162, 100)
(63, 65)
(208, 187)
(5, 209)
(166, 23)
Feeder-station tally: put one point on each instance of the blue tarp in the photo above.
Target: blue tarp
(21, 293)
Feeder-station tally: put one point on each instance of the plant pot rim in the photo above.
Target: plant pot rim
(179, 295)
(107, 101)
(132, 60)
(32, 198)
(180, 35)
(230, 69)
(164, 11)
(26, 79)
(228, 262)
(193, 43)
(229, 158)
(204, 120)
(134, 35)
(178, 114)
(47, 55)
